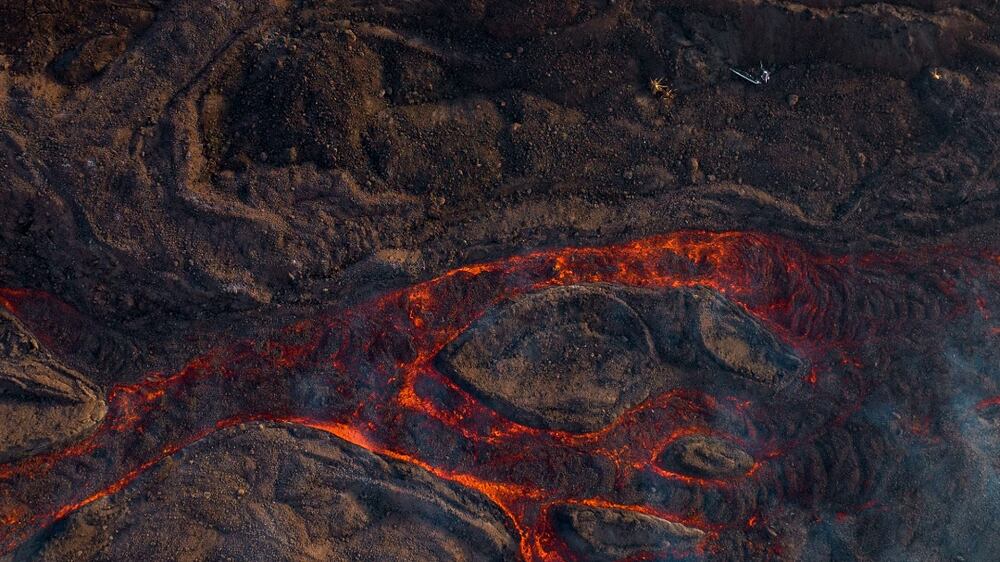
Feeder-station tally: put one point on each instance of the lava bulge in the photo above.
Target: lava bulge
(570, 358)
(55, 404)
(707, 457)
(606, 534)
(741, 344)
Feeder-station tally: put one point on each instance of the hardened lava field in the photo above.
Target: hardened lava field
(539, 280)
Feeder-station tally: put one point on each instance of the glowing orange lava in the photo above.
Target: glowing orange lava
(385, 394)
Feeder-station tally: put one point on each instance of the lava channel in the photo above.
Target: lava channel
(372, 381)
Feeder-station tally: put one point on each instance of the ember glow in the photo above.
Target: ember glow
(374, 365)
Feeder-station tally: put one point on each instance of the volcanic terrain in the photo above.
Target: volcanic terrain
(463, 280)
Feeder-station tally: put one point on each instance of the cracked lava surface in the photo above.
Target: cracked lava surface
(372, 375)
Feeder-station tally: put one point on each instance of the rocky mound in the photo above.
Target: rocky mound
(700, 455)
(576, 357)
(605, 535)
(266, 492)
(43, 403)
(570, 358)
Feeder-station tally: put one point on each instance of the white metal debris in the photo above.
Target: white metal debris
(757, 78)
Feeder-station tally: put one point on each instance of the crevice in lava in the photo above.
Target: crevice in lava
(366, 374)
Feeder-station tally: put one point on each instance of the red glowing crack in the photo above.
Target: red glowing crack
(378, 355)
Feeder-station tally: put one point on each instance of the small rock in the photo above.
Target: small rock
(694, 171)
(793, 100)
(290, 155)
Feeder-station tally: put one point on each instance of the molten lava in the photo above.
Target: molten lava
(372, 365)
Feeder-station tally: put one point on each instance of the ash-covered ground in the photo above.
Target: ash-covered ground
(244, 313)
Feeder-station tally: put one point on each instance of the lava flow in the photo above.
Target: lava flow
(367, 374)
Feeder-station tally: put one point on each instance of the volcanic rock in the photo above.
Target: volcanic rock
(571, 358)
(192, 175)
(574, 358)
(612, 534)
(43, 403)
(705, 456)
(302, 496)
(740, 343)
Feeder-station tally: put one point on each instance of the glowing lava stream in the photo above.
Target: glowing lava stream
(369, 379)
